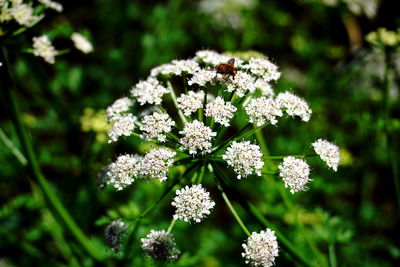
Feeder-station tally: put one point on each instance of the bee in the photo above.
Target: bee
(227, 68)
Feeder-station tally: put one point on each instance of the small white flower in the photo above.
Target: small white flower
(245, 158)
(123, 126)
(262, 109)
(196, 136)
(261, 249)
(42, 47)
(156, 163)
(294, 173)
(176, 67)
(160, 246)
(23, 14)
(192, 204)
(204, 76)
(191, 102)
(156, 125)
(265, 87)
(263, 68)
(328, 152)
(123, 171)
(294, 105)
(53, 5)
(118, 108)
(82, 43)
(220, 111)
(211, 57)
(242, 83)
(114, 234)
(149, 91)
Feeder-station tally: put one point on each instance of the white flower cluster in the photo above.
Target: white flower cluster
(114, 233)
(156, 163)
(242, 84)
(211, 57)
(264, 87)
(245, 158)
(196, 136)
(156, 125)
(220, 111)
(123, 171)
(192, 204)
(263, 68)
(262, 109)
(81, 43)
(42, 47)
(53, 5)
(15, 9)
(176, 67)
(204, 76)
(261, 249)
(123, 126)
(149, 91)
(191, 102)
(294, 105)
(328, 152)
(120, 107)
(160, 246)
(294, 173)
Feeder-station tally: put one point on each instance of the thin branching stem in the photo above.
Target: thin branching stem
(173, 96)
(171, 226)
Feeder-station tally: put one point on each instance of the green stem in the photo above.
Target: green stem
(234, 137)
(284, 156)
(20, 157)
(332, 255)
(171, 226)
(52, 199)
(229, 204)
(173, 96)
(201, 174)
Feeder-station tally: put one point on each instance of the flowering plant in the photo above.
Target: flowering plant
(187, 109)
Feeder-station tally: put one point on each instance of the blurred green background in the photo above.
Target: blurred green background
(351, 216)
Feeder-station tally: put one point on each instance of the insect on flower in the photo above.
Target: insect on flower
(227, 68)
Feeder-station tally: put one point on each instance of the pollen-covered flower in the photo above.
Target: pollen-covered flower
(242, 83)
(261, 249)
(149, 91)
(220, 111)
(156, 125)
(82, 43)
(263, 68)
(42, 47)
(204, 76)
(191, 102)
(192, 204)
(262, 109)
(123, 126)
(114, 234)
(156, 163)
(196, 137)
(23, 14)
(294, 105)
(160, 246)
(328, 152)
(245, 158)
(120, 107)
(52, 4)
(176, 67)
(294, 173)
(123, 171)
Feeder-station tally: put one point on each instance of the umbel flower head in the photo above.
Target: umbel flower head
(261, 249)
(114, 234)
(205, 115)
(160, 246)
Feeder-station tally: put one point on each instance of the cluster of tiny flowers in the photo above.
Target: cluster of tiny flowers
(123, 126)
(196, 136)
(242, 83)
(53, 5)
(156, 162)
(211, 57)
(176, 67)
(261, 249)
(192, 204)
(294, 173)
(42, 47)
(245, 158)
(294, 105)
(328, 152)
(160, 246)
(114, 234)
(220, 111)
(262, 109)
(263, 68)
(204, 76)
(15, 9)
(81, 43)
(156, 125)
(264, 87)
(119, 107)
(149, 91)
(191, 102)
(123, 171)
